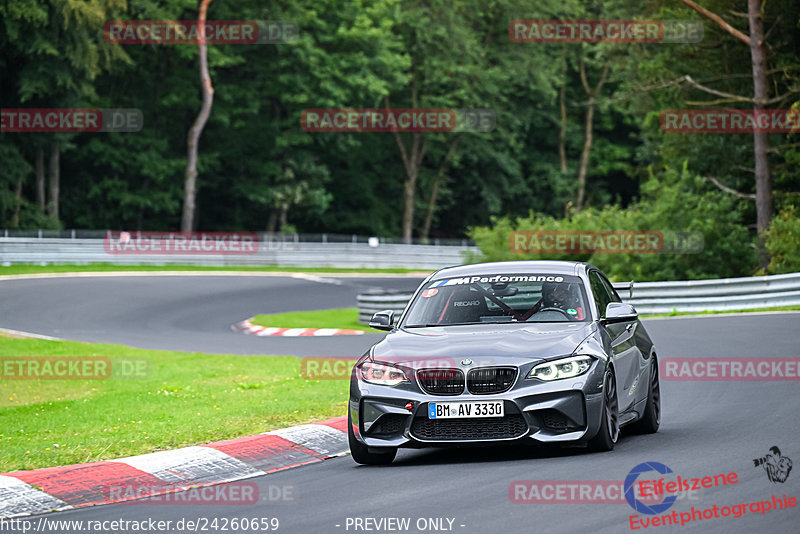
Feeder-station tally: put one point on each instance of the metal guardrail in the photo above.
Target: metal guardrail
(662, 297)
(272, 252)
(717, 295)
(371, 303)
(262, 236)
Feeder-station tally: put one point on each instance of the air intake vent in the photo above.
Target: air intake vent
(509, 427)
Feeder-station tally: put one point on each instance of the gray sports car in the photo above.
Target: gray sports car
(540, 351)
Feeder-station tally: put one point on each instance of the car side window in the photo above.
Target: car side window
(600, 293)
(610, 289)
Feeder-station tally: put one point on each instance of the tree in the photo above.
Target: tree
(436, 79)
(462, 58)
(193, 138)
(670, 76)
(52, 53)
(592, 93)
(760, 101)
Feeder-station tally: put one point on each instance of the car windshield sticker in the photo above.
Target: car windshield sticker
(429, 293)
(572, 311)
(460, 303)
(496, 278)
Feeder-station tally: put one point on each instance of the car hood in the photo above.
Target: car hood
(490, 344)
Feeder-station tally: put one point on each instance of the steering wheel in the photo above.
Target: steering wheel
(568, 316)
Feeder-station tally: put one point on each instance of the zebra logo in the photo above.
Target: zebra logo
(777, 467)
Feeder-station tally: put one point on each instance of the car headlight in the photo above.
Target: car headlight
(563, 368)
(382, 374)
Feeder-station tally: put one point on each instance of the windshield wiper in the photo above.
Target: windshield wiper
(431, 325)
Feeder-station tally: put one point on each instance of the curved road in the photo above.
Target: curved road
(708, 428)
(191, 313)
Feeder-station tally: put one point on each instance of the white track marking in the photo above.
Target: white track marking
(326, 332)
(27, 334)
(17, 498)
(192, 465)
(107, 274)
(320, 438)
(315, 278)
(266, 331)
(293, 332)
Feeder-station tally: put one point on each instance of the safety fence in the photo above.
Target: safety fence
(287, 250)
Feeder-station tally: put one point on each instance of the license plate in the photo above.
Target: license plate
(463, 410)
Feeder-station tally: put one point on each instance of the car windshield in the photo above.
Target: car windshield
(499, 298)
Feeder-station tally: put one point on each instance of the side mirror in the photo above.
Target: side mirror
(382, 320)
(618, 312)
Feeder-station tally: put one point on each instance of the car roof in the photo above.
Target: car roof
(513, 267)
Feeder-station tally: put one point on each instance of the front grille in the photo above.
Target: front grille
(490, 380)
(441, 381)
(388, 424)
(508, 427)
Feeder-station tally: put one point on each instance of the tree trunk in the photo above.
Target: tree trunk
(284, 216)
(760, 139)
(411, 164)
(17, 204)
(40, 199)
(193, 139)
(426, 227)
(412, 172)
(562, 133)
(55, 180)
(583, 169)
(272, 221)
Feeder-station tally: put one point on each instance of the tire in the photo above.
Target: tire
(651, 419)
(608, 435)
(361, 453)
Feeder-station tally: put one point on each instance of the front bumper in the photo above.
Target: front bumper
(547, 412)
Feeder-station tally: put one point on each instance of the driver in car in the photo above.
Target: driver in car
(557, 295)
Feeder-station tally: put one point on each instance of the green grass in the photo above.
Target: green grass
(677, 313)
(108, 267)
(186, 399)
(339, 318)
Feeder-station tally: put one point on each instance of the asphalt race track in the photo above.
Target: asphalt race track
(190, 313)
(708, 427)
